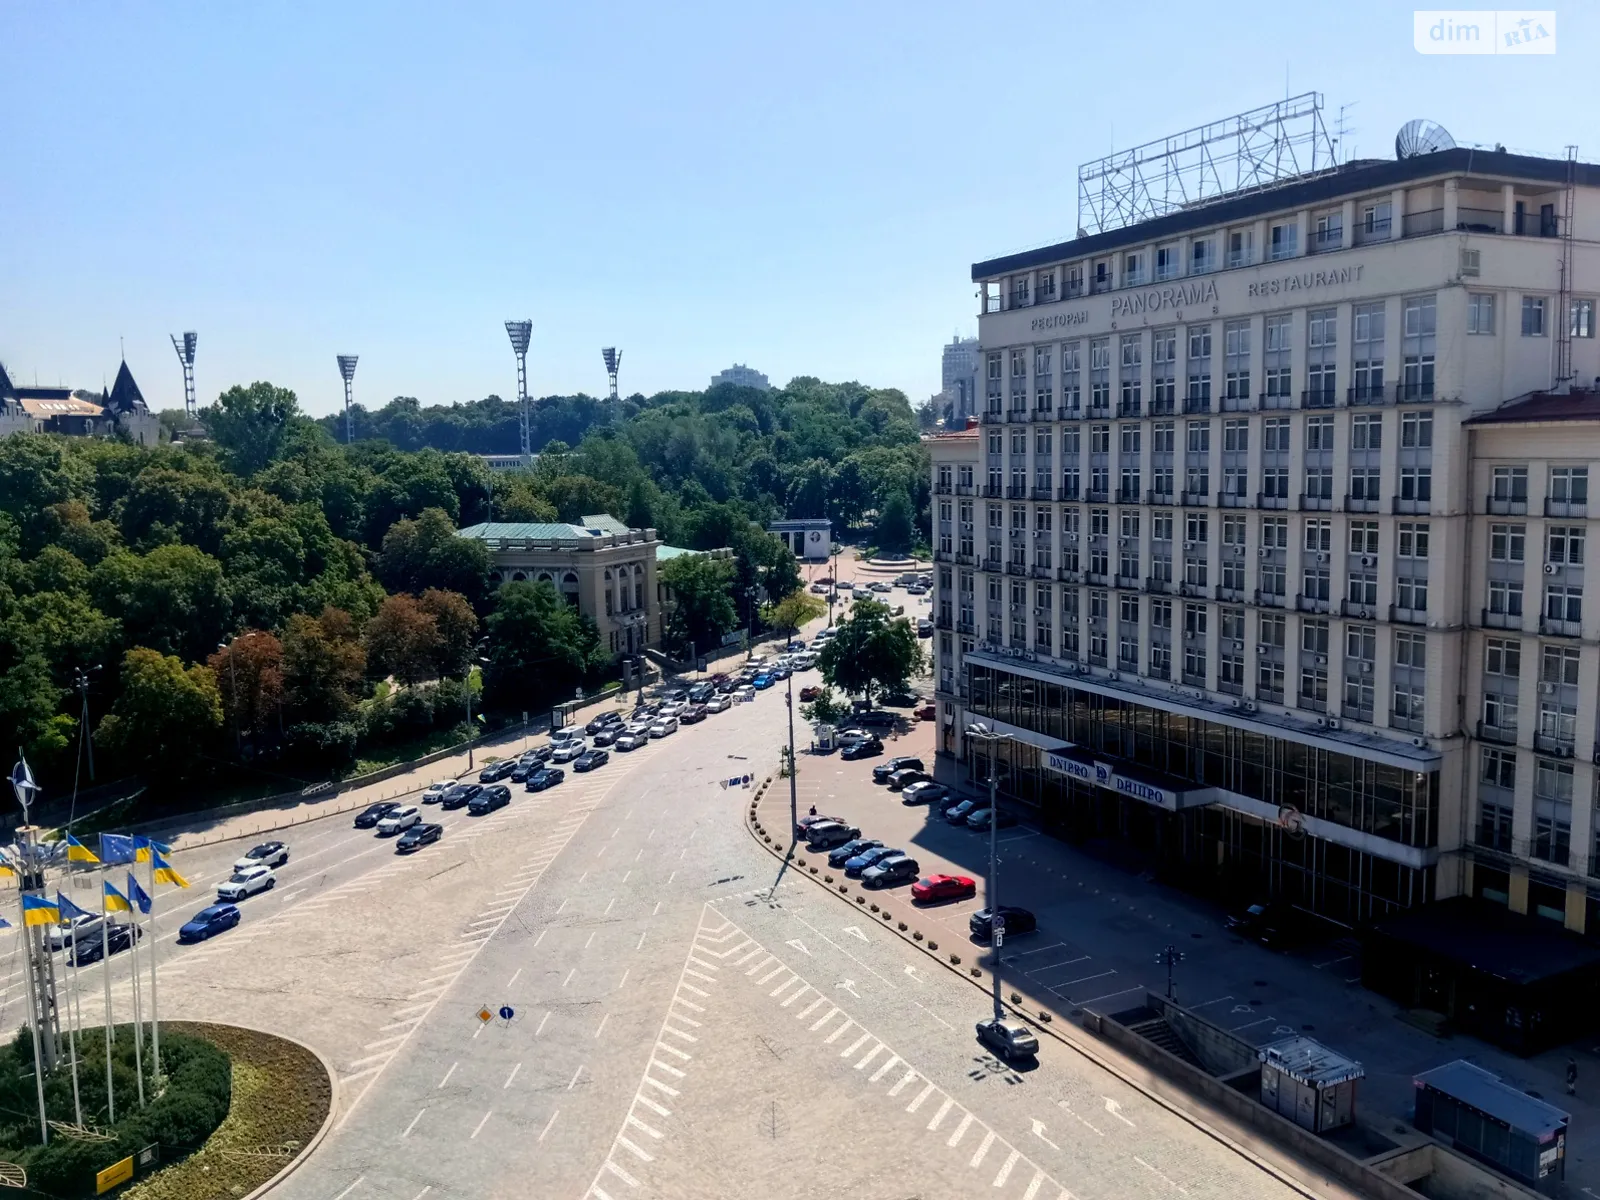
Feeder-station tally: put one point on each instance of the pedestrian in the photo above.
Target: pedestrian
(1572, 1077)
(813, 810)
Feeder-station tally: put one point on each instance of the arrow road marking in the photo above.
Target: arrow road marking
(1038, 1132)
(848, 985)
(912, 971)
(1115, 1110)
(798, 945)
(852, 929)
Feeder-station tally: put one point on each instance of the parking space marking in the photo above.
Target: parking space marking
(1083, 979)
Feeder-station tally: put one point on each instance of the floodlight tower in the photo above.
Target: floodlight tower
(185, 348)
(520, 332)
(347, 368)
(613, 358)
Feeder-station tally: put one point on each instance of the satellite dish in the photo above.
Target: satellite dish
(1422, 137)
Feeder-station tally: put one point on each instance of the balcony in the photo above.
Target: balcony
(1195, 499)
(965, 489)
(1312, 604)
(1410, 506)
(1127, 495)
(1097, 495)
(1270, 400)
(1065, 413)
(1016, 568)
(1193, 591)
(1552, 627)
(1236, 404)
(1046, 413)
(1527, 224)
(1197, 404)
(1324, 240)
(1501, 735)
(1480, 220)
(1500, 620)
(1072, 290)
(992, 490)
(1407, 616)
(1099, 285)
(1371, 231)
(1506, 506)
(1322, 397)
(1360, 504)
(1161, 406)
(943, 556)
(1128, 408)
(1419, 224)
(1069, 574)
(1316, 503)
(1159, 587)
(1360, 610)
(1157, 496)
(992, 563)
(1043, 571)
(1269, 599)
(967, 627)
(1365, 393)
(1231, 499)
(1566, 508)
(1263, 500)
(1016, 416)
(1041, 493)
(943, 488)
(943, 621)
(1129, 583)
(964, 560)
(1413, 392)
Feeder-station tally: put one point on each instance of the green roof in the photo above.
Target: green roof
(665, 552)
(545, 531)
(605, 523)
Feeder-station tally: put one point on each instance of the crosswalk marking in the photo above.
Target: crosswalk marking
(960, 1130)
(1005, 1169)
(940, 1115)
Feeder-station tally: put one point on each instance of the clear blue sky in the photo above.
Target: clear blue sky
(802, 187)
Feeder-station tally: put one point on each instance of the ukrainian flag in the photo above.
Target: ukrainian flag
(7, 867)
(40, 910)
(115, 901)
(143, 847)
(78, 852)
(162, 871)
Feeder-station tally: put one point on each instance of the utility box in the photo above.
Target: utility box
(1475, 1112)
(824, 736)
(1313, 1086)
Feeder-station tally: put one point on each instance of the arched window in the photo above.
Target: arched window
(546, 577)
(518, 576)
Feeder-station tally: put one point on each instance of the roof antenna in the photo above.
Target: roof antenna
(122, 348)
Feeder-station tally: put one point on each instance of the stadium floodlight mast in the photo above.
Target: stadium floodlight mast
(520, 332)
(184, 345)
(613, 358)
(347, 369)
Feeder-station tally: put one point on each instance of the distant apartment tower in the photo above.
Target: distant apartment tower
(742, 376)
(959, 373)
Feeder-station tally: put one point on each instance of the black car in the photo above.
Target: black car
(418, 836)
(545, 777)
(118, 938)
(837, 858)
(1016, 920)
(701, 692)
(603, 721)
(907, 775)
(1271, 924)
(497, 770)
(900, 699)
(369, 817)
(460, 796)
(590, 759)
(608, 736)
(677, 696)
(881, 772)
(489, 799)
(726, 687)
(865, 748)
(646, 712)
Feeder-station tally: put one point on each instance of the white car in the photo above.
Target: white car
(671, 708)
(559, 737)
(664, 727)
(745, 694)
(267, 854)
(399, 820)
(804, 662)
(434, 792)
(249, 882)
(76, 930)
(719, 703)
(567, 751)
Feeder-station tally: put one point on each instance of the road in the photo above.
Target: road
(681, 1024)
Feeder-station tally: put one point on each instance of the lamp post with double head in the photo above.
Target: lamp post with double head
(981, 731)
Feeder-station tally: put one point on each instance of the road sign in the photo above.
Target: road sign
(507, 1012)
(149, 1155)
(999, 937)
(997, 923)
(116, 1173)
(485, 1015)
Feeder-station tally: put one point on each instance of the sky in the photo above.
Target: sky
(799, 187)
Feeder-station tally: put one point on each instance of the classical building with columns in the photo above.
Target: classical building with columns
(1266, 551)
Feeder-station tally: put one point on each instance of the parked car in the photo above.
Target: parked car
(677, 695)
(878, 719)
(888, 872)
(607, 736)
(906, 775)
(644, 712)
(692, 715)
(461, 795)
(432, 793)
(763, 680)
(726, 685)
(979, 819)
(1016, 920)
(373, 813)
(857, 863)
(900, 699)
(568, 751)
(810, 692)
(843, 854)
(631, 740)
(916, 589)
(944, 887)
(719, 703)
(924, 628)
(545, 777)
(497, 770)
(958, 813)
(828, 834)
(881, 772)
(250, 881)
(863, 748)
(927, 712)
(805, 661)
(1272, 924)
(745, 694)
(115, 938)
(565, 734)
(208, 922)
(849, 736)
(820, 589)
(879, 586)
(419, 836)
(665, 727)
(603, 721)
(267, 854)
(805, 823)
(401, 819)
(926, 792)
(63, 935)
(1010, 1039)
(781, 671)
(701, 692)
(591, 760)
(490, 799)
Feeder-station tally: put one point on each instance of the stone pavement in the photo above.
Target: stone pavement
(1102, 926)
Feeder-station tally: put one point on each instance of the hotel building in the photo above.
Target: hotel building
(1266, 551)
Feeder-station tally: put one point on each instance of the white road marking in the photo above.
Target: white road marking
(549, 1123)
(481, 1124)
(642, 932)
(590, 942)
(870, 1055)
(360, 1179)
(609, 903)
(809, 1009)
(1084, 979)
(514, 977)
(903, 1082)
(656, 909)
(570, 974)
(940, 1115)
(893, 1061)
(574, 1079)
(1033, 1185)
(601, 1027)
(542, 1020)
(983, 1148)
(624, 978)
(652, 1105)
(960, 1130)
(449, 1073)
(413, 1124)
(540, 938)
(608, 1165)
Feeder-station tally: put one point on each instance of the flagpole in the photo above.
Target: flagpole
(33, 1011)
(75, 1027)
(138, 1019)
(105, 968)
(155, 1016)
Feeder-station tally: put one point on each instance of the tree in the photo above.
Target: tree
(871, 650)
(427, 553)
(794, 610)
(764, 562)
(700, 609)
(402, 640)
(826, 707)
(323, 666)
(253, 424)
(173, 600)
(456, 628)
(249, 674)
(539, 646)
(895, 530)
(164, 715)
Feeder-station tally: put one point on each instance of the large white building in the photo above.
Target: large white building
(1267, 549)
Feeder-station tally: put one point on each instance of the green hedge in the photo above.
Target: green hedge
(199, 1086)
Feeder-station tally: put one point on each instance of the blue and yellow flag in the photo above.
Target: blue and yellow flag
(138, 895)
(69, 910)
(163, 872)
(78, 852)
(143, 847)
(7, 867)
(40, 910)
(117, 848)
(115, 901)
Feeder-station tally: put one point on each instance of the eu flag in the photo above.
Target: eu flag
(138, 895)
(117, 848)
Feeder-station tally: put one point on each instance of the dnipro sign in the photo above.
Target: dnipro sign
(1101, 775)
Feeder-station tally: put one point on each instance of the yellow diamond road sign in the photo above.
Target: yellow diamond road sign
(485, 1015)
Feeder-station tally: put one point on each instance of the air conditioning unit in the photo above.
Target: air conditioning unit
(1235, 703)
(1365, 614)
(1333, 722)
(1366, 668)
(1420, 743)
(1322, 556)
(1113, 676)
(1122, 541)
(1323, 722)
(1072, 537)
(1238, 551)
(1188, 545)
(1189, 635)
(1249, 706)
(1263, 552)
(1548, 689)
(1322, 660)
(1551, 568)
(1263, 648)
(1368, 560)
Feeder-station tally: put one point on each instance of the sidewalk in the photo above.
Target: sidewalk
(1101, 927)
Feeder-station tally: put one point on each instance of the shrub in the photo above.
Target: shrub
(329, 744)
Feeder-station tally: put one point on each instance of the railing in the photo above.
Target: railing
(1270, 599)
(1263, 500)
(942, 488)
(1410, 506)
(1098, 496)
(1157, 496)
(1566, 508)
(1237, 402)
(1313, 604)
(1481, 220)
(1557, 747)
(1361, 504)
(1322, 397)
(1194, 499)
(964, 489)
(1128, 408)
(1127, 495)
(1361, 610)
(1316, 503)
(1271, 400)
(1419, 223)
(992, 490)
(1527, 224)
(1365, 394)
(1065, 413)
(1043, 571)
(1552, 627)
(1506, 506)
(1500, 620)
(1161, 406)
(1324, 240)
(1407, 616)
(1411, 392)
(1067, 493)
(1041, 493)
(1160, 587)
(1366, 233)
(1197, 404)
(1229, 499)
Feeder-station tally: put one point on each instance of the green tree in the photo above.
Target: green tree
(173, 600)
(699, 608)
(324, 666)
(539, 647)
(895, 530)
(253, 425)
(796, 609)
(456, 631)
(164, 715)
(872, 650)
(426, 553)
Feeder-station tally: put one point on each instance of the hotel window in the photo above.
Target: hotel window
(1508, 485)
(1533, 324)
(1563, 605)
(1480, 312)
(1418, 327)
(1047, 286)
(1569, 486)
(1236, 360)
(1202, 256)
(1043, 399)
(1069, 376)
(1240, 247)
(1131, 375)
(1507, 543)
(1409, 681)
(1471, 263)
(1132, 270)
(1285, 240)
(1565, 545)
(1581, 321)
(1099, 375)
(1199, 395)
(1363, 537)
(1416, 485)
(1275, 533)
(1375, 219)
(1412, 541)
(1197, 463)
(1367, 334)
(1319, 536)
(1166, 262)
(1128, 463)
(1074, 282)
(1279, 352)
(1416, 431)
(1363, 588)
(1552, 810)
(1314, 685)
(1505, 597)
(1163, 360)
(1102, 277)
(1236, 436)
(1330, 231)
(1322, 355)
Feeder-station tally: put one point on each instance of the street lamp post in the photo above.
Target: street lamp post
(980, 731)
(233, 693)
(1169, 957)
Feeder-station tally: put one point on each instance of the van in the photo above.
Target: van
(890, 871)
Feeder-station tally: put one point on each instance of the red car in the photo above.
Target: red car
(944, 887)
(926, 713)
(810, 693)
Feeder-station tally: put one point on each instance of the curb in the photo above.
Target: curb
(976, 977)
(327, 1122)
